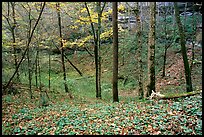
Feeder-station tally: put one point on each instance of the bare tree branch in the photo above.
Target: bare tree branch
(29, 40)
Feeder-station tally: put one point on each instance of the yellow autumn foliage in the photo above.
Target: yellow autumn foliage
(83, 10)
(121, 7)
(74, 27)
(93, 15)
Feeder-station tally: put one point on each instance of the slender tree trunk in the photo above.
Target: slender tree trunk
(96, 65)
(36, 71)
(27, 46)
(14, 38)
(62, 50)
(189, 87)
(36, 64)
(29, 74)
(28, 57)
(151, 51)
(95, 51)
(139, 57)
(99, 48)
(115, 52)
(36, 68)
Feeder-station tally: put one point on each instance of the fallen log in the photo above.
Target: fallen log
(155, 95)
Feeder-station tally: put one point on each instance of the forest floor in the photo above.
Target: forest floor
(175, 75)
(85, 115)
(181, 116)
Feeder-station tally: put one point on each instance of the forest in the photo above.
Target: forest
(101, 68)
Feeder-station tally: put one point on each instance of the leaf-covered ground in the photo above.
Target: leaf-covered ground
(181, 116)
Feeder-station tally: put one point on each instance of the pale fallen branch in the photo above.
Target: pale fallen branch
(157, 95)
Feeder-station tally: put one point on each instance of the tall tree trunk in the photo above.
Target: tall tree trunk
(115, 52)
(96, 67)
(36, 63)
(28, 57)
(36, 71)
(29, 74)
(189, 87)
(139, 57)
(14, 38)
(95, 51)
(27, 46)
(62, 50)
(99, 48)
(151, 51)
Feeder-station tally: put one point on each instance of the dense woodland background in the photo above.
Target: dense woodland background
(102, 68)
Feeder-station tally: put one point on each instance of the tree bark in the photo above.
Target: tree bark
(151, 51)
(99, 48)
(36, 70)
(115, 52)
(36, 65)
(62, 50)
(139, 57)
(189, 87)
(28, 56)
(95, 51)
